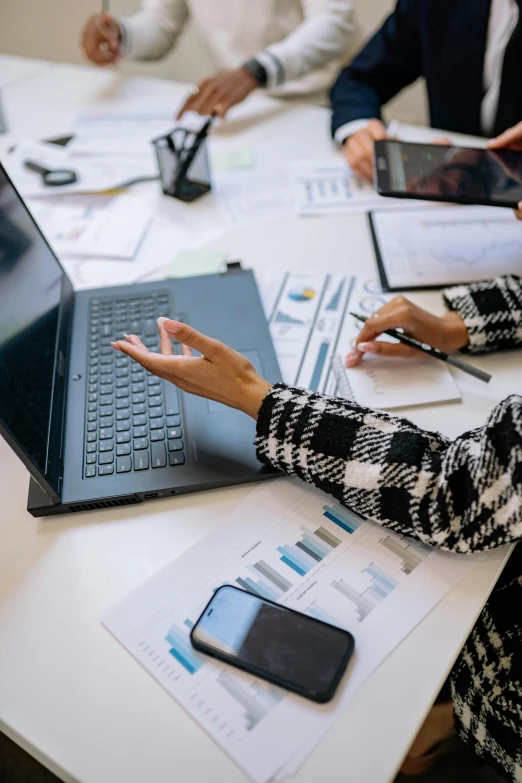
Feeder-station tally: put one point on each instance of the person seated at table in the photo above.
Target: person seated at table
(462, 496)
(470, 55)
(290, 47)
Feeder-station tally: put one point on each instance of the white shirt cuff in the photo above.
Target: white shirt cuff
(275, 73)
(348, 129)
(124, 37)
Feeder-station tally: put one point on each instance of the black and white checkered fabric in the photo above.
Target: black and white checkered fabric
(463, 495)
(492, 312)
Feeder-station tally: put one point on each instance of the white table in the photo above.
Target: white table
(69, 694)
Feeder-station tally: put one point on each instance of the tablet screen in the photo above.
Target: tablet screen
(449, 173)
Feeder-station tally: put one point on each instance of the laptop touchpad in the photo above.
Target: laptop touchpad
(252, 356)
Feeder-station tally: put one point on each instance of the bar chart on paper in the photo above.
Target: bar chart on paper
(312, 330)
(293, 545)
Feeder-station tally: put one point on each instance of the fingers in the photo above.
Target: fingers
(518, 212)
(359, 160)
(187, 336)
(443, 141)
(380, 348)
(377, 130)
(358, 150)
(111, 31)
(204, 100)
(101, 39)
(153, 362)
(165, 339)
(510, 137)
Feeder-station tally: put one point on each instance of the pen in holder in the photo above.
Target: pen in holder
(183, 163)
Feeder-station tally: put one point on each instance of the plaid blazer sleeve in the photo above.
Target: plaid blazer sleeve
(463, 495)
(492, 312)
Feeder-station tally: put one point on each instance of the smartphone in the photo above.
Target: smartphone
(287, 648)
(460, 175)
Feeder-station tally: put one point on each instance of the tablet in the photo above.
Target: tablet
(460, 175)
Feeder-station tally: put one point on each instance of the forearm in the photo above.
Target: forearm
(151, 33)
(390, 61)
(491, 311)
(323, 36)
(462, 496)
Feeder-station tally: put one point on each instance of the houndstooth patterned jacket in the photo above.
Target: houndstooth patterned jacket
(463, 495)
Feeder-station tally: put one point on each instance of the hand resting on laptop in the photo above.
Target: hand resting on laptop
(219, 374)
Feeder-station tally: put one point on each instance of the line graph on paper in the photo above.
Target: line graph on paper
(448, 245)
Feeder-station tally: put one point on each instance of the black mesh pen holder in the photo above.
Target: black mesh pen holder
(183, 164)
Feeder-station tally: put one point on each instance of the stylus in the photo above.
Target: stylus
(425, 348)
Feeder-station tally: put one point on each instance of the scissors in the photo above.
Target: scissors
(52, 177)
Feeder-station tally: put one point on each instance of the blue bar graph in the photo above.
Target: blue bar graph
(268, 582)
(313, 547)
(296, 559)
(333, 304)
(320, 614)
(257, 588)
(182, 650)
(284, 318)
(319, 366)
(384, 580)
(346, 520)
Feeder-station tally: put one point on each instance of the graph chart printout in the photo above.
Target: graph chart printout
(297, 546)
(447, 246)
(311, 327)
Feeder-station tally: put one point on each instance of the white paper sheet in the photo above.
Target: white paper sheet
(121, 128)
(330, 187)
(442, 246)
(374, 583)
(93, 226)
(94, 175)
(312, 331)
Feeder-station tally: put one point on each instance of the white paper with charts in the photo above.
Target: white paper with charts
(312, 330)
(447, 245)
(292, 544)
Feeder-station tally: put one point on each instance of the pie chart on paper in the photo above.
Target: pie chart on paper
(301, 294)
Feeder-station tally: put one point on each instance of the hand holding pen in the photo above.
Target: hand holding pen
(425, 332)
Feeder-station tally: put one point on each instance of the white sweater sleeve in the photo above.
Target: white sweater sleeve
(152, 32)
(323, 36)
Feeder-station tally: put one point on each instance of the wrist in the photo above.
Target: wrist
(457, 336)
(253, 397)
(256, 72)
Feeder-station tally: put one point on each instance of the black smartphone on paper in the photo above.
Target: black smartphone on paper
(459, 175)
(287, 648)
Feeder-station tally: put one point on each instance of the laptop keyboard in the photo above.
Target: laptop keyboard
(133, 420)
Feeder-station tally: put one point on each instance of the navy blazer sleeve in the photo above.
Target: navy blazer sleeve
(390, 61)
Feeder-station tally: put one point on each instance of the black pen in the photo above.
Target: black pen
(191, 152)
(425, 348)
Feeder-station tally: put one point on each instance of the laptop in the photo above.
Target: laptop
(94, 429)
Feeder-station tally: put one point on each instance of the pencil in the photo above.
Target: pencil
(428, 349)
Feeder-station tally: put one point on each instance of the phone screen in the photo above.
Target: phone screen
(273, 642)
(442, 173)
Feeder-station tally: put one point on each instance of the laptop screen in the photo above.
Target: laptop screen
(31, 283)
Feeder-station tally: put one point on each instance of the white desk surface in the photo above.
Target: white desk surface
(69, 694)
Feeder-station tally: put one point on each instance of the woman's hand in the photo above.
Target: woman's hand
(512, 140)
(220, 373)
(447, 333)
